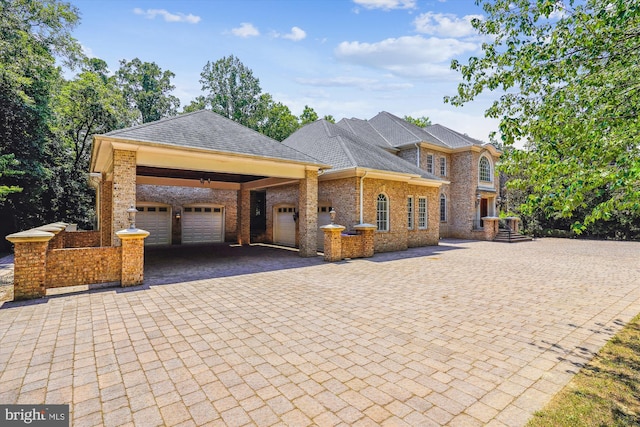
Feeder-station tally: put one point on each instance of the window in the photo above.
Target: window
(443, 207)
(443, 166)
(382, 213)
(422, 213)
(410, 213)
(430, 163)
(485, 169)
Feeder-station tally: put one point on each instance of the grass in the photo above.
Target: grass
(606, 392)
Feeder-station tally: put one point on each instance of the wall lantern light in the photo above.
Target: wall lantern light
(178, 215)
(131, 213)
(478, 198)
(295, 215)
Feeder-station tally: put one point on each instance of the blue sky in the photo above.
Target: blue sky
(347, 58)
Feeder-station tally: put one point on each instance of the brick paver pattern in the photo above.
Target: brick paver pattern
(466, 333)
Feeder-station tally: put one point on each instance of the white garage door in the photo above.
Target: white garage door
(202, 224)
(157, 221)
(284, 226)
(323, 219)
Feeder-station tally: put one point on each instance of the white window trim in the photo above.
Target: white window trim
(443, 197)
(423, 217)
(430, 163)
(490, 163)
(386, 212)
(443, 166)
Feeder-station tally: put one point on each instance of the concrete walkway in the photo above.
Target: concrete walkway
(467, 333)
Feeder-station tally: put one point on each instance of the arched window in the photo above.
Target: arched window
(382, 213)
(443, 207)
(485, 169)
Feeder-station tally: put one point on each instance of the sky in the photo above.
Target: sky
(345, 58)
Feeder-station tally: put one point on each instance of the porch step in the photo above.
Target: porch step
(505, 237)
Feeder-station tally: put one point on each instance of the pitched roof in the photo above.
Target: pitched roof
(207, 130)
(400, 133)
(367, 131)
(343, 149)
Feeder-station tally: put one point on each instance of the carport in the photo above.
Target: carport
(193, 150)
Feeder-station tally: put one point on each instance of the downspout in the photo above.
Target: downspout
(418, 154)
(362, 197)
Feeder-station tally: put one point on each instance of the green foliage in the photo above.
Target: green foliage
(422, 122)
(329, 118)
(8, 165)
(275, 119)
(231, 89)
(570, 78)
(308, 115)
(147, 88)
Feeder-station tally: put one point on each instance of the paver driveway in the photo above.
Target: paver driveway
(467, 333)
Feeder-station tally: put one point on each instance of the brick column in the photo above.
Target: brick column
(124, 189)
(244, 216)
(132, 256)
(332, 242)
(308, 214)
(367, 231)
(57, 229)
(513, 224)
(491, 225)
(106, 212)
(30, 259)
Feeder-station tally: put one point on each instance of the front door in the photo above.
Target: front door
(484, 203)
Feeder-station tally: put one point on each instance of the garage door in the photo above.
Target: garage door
(157, 221)
(284, 226)
(202, 224)
(323, 219)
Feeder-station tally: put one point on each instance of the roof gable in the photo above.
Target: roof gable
(343, 149)
(207, 130)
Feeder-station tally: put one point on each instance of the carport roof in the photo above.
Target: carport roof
(207, 130)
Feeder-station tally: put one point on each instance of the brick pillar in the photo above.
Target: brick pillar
(30, 259)
(124, 189)
(491, 225)
(132, 256)
(244, 216)
(308, 214)
(106, 212)
(57, 229)
(367, 231)
(332, 242)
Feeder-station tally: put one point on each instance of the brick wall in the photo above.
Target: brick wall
(396, 238)
(352, 246)
(343, 196)
(106, 211)
(124, 189)
(80, 266)
(81, 239)
(178, 197)
(430, 235)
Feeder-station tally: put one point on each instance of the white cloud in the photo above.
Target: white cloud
(354, 82)
(445, 24)
(410, 56)
(167, 16)
(88, 52)
(386, 4)
(296, 34)
(245, 30)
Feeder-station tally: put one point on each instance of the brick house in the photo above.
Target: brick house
(201, 178)
(470, 189)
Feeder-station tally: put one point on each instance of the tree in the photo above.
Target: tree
(231, 89)
(147, 88)
(329, 118)
(89, 104)
(275, 120)
(308, 115)
(32, 34)
(570, 78)
(422, 122)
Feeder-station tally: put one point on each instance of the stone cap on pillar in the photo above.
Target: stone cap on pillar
(331, 227)
(365, 227)
(29, 236)
(132, 233)
(51, 228)
(490, 218)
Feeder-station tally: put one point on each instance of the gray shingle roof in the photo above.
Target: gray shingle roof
(207, 130)
(365, 130)
(400, 133)
(343, 149)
